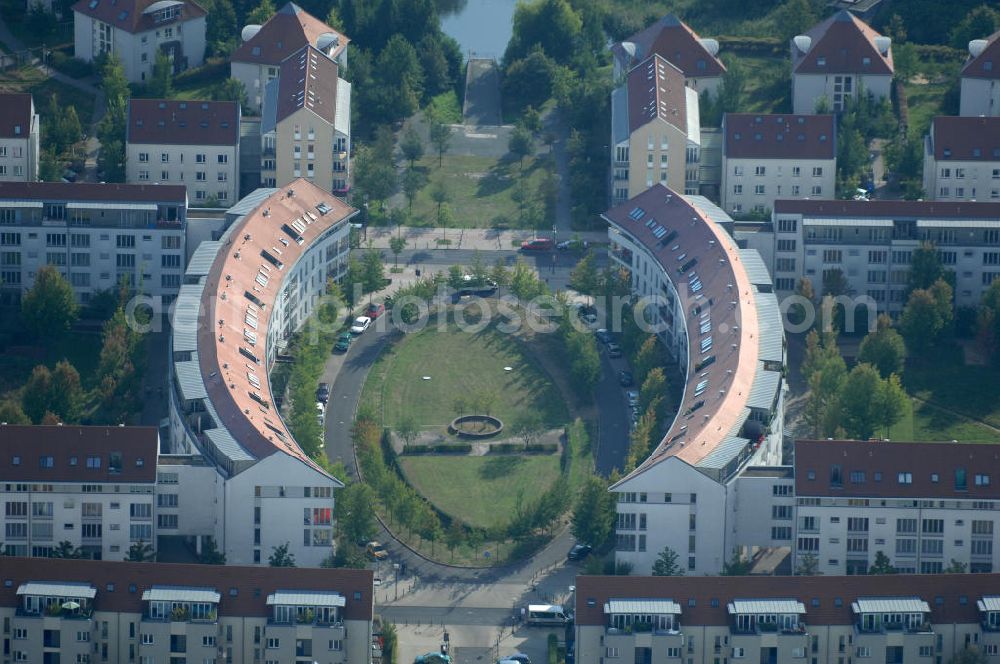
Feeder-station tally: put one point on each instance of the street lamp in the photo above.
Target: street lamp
(395, 568)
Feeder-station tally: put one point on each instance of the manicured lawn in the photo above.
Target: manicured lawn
(482, 491)
(29, 79)
(768, 84)
(461, 365)
(924, 102)
(481, 189)
(925, 422)
(943, 379)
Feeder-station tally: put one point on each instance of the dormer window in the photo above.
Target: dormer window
(17, 130)
(947, 153)
(866, 61)
(255, 50)
(821, 62)
(988, 65)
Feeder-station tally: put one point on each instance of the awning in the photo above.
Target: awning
(190, 381)
(866, 222)
(891, 605)
(19, 203)
(41, 588)
(181, 594)
(115, 205)
(305, 598)
(766, 606)
(642, 606)
(955, 223)
(226, 445)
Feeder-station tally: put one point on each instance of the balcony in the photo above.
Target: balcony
(56, 611)
(644, 628)
(894, 627)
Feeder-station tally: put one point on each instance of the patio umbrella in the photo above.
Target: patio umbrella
(71, 605)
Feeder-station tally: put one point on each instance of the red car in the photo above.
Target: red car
(538, 244)
(375, 310)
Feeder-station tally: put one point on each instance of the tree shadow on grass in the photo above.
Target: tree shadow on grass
(500, 466)
(497, 179)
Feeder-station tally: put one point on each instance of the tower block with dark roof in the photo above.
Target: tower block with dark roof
(836, 60)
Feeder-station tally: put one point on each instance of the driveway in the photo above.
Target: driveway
(482, 93)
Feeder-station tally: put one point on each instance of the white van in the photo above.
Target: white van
(546, 614)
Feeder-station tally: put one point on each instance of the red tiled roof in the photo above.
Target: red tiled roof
(15, 110)
(251, 584)
(718, 266)
(224, 306)
(285, 33)
(962, 136)
(896, 209)
(672, 39)
(70, 446)
(957, 592)
(308, 79)
(842, 41)
(977, 67)
(177, 122)
(656, 89)
(779, 136)
(93, 191)
(920, 460)
(129, 15)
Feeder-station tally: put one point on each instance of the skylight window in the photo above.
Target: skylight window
(123, 15)
(93, 4)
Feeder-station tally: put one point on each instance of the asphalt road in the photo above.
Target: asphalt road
(543, 261)
(613, 416)
(446, 615)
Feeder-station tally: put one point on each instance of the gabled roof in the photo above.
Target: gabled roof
(779, 136)
(71, 448)
(179, 122)
(956, 138)
(308, 79)
(137, 15)
(930, 469)
(15, 111)
(672, 39)
(656, 90)
(987, 63)
(110, 192)
(287, 32)
(842, 43)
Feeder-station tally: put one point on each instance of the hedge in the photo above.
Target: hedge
(541, 448)
(506, 448)
(441, 448)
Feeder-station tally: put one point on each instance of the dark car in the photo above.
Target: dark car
(519, 657)
(603, 336)
(323, 392)
(343, 342)
(579, 551)
(625, 378)
(614, 350)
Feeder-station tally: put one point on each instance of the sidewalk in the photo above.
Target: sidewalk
(483, 239)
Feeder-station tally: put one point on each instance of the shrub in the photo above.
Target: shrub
(541, 448)
(73, 67)
(506, 448)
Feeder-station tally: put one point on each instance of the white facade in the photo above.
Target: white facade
(183, 39)
(98, 235)
(210, 172)
(871, 243)
(835, 89)
(254, 77)
(958, 180)
(980, 96)
(752, 184)
(19, 151)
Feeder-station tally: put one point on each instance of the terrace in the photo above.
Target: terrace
(306, 607)
(181, 604)
(892, 614)
(658, 616)
(57, 600)
(767, 616)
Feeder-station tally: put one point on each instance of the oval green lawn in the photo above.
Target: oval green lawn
(481, 491)
(463, 365)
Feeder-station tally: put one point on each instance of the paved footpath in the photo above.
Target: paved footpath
(483, 239)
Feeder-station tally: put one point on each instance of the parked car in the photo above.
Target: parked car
(614, 350)
(633, 397)
(538, 244)
(579, 551)
(625, 378)
(375, 309)
(320, 412)
(375, 551)
(343, 342)
(323, 392)
(590, 320)
(603, 336)
(361, 323)
(520, 658)
(578, 245)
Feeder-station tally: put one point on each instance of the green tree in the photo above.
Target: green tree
(882, 565)
(979, 23)
(956, 567)
(49, 167)
(988, 322)
(396, 246)
(66, 392)
(374, 175)
(520, 144)
(400, 80)
(552, 25)
(355, 512)
(231, 89)
(161, 81)
(440, 194)
(37, 394)
(653, 388)
(221, 27)
(794, 17)
(261, 14)
(140, 552)
(413, 182)
(528, 82)
(373, 270)
(640, 440)
(737, 565)
(390, 644)
(113, 79)
(65, 549)
(666, 563)
(528, 427)
(926, 316)
(584, 277)
(500, 275)
(454, 536)
(49, 307)
(969, 655)
(808, 565)
(859, 401)
(891, 402)
(925, 267)
(884, 348)
(440, 135)
(280, 556)
(12, 413)
(593, 516)
(411, 145)
(646, 358)
(210, 554)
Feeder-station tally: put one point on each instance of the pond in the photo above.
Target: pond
(482, 27)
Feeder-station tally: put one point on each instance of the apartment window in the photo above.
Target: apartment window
(982, 480)
(932, 526)
(143, 157)
(817, 190)
(817, 171)
(808, 544)
(273, 643)
(164, 157)
(199, 159)
(906, 546)
(758, 189)
(788, 225)
(223, 159)
(857, 524)
(147, 639)
(760, 170)
(200, 176)
(143, 175)
(781, 512)
(982, 528)
(905, 478)
(166, 521)
(737, 189)
(961, 482)
(796, 171)
(832, 255)
(781, 532)
(223, 177)
(140, 511)
(982, 547)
